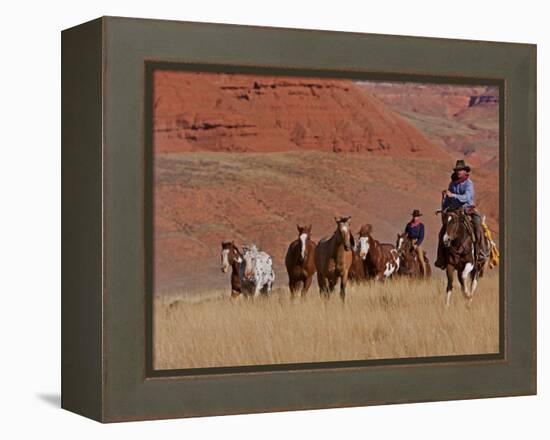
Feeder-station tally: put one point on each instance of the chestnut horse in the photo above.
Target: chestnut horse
(232, 257)
(299, 261)
(458, 252)
(381, 259)
(409, 263)
(333, 258)
(359, 271)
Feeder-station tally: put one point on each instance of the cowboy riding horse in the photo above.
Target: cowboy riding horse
(459, 198)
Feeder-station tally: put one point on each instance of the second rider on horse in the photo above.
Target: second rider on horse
(415, 231)
(460, 196)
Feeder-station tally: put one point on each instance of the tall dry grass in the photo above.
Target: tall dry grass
(398, 319)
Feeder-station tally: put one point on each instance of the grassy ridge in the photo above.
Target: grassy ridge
(398, 319)
(202, 199)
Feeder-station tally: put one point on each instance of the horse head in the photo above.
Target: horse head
(363, 244)
(405, 251)
(304, 234)
(404, 245)
(452, 227)
(230, 254)
(344, 231)
(400, 242)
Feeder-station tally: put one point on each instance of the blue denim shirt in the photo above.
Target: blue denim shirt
(415, 232)
(464, 195)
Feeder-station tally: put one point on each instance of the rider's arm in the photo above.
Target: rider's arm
(446, 200)
(445, 203)
(468, 196)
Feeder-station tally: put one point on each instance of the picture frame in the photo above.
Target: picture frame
(107, 371)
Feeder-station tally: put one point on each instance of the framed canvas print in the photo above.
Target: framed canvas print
(262, 219)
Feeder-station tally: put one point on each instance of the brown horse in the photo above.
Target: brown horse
(299, 260)
(381, 259)
(333, 258)
(232, 257)
(458, 252)
(409, 263)
(359, 272)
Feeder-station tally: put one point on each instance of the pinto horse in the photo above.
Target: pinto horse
(299, 261)
(410, 265)
(381, 259)
(458, 252)
(232, 257)
(333, 258)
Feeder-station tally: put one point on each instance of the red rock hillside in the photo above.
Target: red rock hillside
(247, 157)
(461, 119)
(240, 113)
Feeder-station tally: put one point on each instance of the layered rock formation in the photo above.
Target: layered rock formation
(240, 113)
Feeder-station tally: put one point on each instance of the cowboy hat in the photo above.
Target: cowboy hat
(461, 165)
(416, 213)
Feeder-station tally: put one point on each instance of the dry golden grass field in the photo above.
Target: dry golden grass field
(401, 318)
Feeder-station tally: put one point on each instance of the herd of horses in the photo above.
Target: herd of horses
(341, 258)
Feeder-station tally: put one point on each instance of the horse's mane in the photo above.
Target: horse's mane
(237, 249)
(366, 229)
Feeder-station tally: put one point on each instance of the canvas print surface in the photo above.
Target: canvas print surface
(309, 220)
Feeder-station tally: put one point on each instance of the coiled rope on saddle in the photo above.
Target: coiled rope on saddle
(494, 254)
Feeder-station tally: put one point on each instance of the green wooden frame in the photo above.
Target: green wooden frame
(105, 213)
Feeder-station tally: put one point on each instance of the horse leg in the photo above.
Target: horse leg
(466, 272)
(326, 287)
(235, 294)
(322, 281)
(343, 282)
(332, 283)
(461, 281)
(473, 285)
(257, 289)
(449, 285)
(475, 275)
(307, 284)
(482, 269)
(292, 286)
